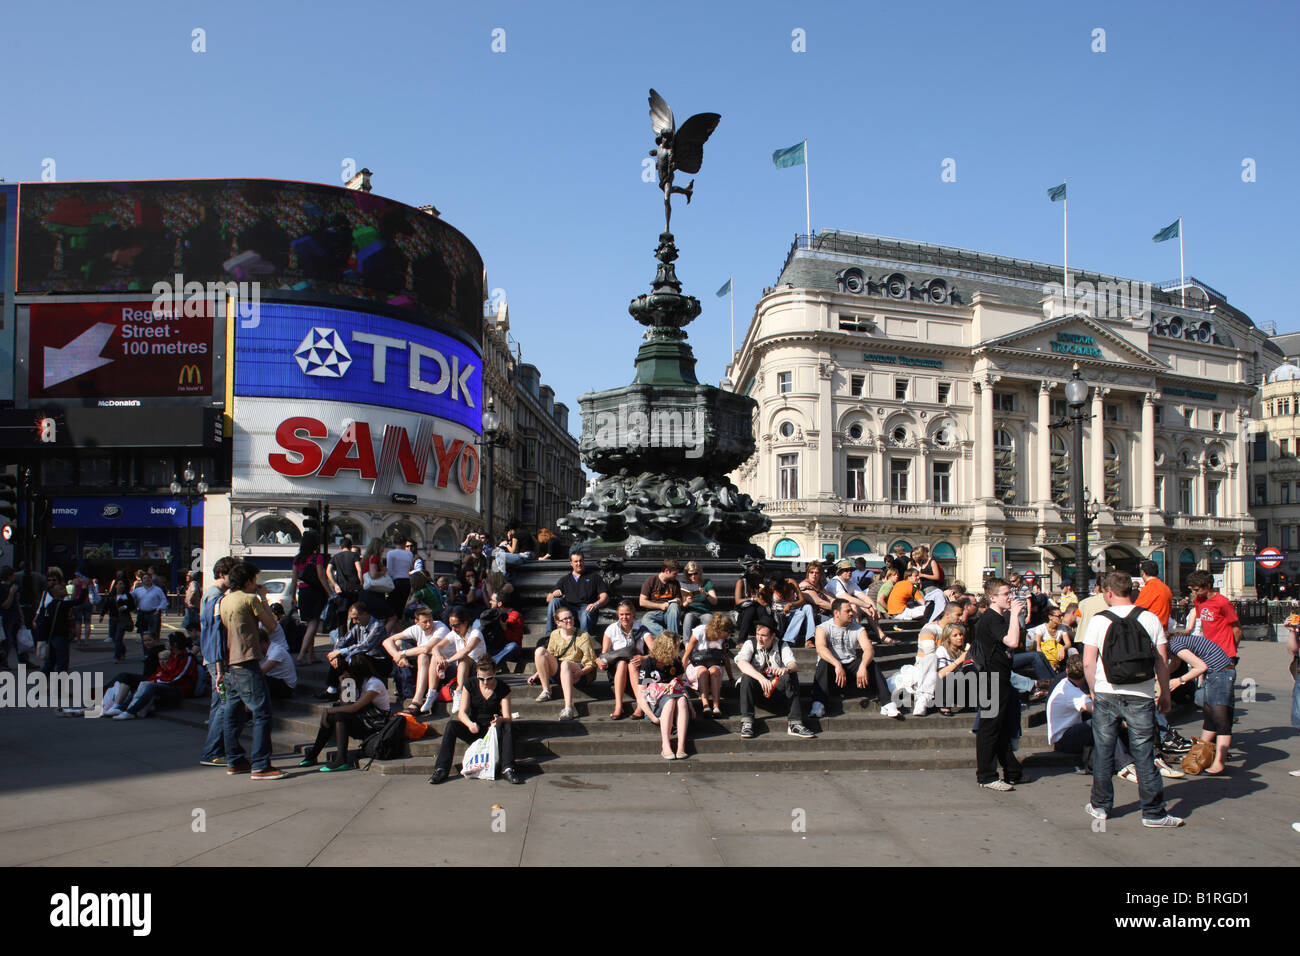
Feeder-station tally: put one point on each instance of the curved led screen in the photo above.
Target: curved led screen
(286, 236)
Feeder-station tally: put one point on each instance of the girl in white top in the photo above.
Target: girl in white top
(952, 655)
(707, 679)
(622, 633)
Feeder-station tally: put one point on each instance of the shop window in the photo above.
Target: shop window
(272, 529)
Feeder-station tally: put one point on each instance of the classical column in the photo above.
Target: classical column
(1043, 444)
(1242, 499)
(986, 438)
(1097, 481)
(1147, 452)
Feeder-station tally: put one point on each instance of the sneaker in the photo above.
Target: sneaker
(544, 696)
(920, 709)
(455, 702)
(124, 715)
(891, 710)
(429, 700)
(1093, 812)
(1128, 774)
(818, 710)
(270, 773)
(798, 730)
(214, 762)
(1001, 786)
(239, 766)
(335, 767)
(1175, 743)
(1168, 771)
(746, 729)
(569, 713)
(1296, 827)
(438, 776)
(1166, 821)
(511, 775)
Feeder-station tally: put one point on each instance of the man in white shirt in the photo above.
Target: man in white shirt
(1132, 703)
(400, 561)
(277, 665)
(409, 675)
(843, 586)
(150, 602)
(1068, 709)
(769, 673)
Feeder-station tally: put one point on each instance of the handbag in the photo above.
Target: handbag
(1199, 757)
(26, 643)
(382, 584)
(624, 653)
(708, 658)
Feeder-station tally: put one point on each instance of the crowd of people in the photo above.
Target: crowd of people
(1109, 665)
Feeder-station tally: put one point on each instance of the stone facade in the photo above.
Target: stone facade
(907, 392)
(1275, 474)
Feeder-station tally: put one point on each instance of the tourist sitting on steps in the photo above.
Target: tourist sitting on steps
(769, 674)
(661, 599)
(708, 643)
(359, 718)
(663, 691)
(173, 681)
(408, 651)
(623, 645)
(485, 703)
(568, 655)
(845, 652)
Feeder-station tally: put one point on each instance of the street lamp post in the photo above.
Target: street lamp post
(491, 426)
(192, 491)
(1076, 396)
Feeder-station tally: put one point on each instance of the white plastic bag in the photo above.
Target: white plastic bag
(481, 757)
(906, 679)
(26, 643)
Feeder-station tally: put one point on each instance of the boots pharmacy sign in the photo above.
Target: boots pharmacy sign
(336, 449)
(337, 355)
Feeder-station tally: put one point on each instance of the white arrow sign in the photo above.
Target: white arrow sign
(79, 356)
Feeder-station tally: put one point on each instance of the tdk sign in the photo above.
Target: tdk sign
(338, 355)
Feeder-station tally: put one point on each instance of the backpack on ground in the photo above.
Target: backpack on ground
(387, 743)
(1127, 653)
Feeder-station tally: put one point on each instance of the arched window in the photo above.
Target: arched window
(403, 530)
(785, 548)
(856, 546)
(445, 539)
(1112, 469)
(1004, 466)
(272, 529)
(1060, 472)
(346, 525)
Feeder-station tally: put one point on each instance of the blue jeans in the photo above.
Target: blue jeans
(803, 625)
(404, 678)
(1042, 669)
(585, 620)
(504, 560)
(1295, 705)
(117, 634)
(245, 685)
(505, 652)
(693, 619)
(1140, 715)
(57, 657)
(1219, 688)
(657, 622)
(214, 746)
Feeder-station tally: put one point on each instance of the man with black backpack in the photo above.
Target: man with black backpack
(1125, 648)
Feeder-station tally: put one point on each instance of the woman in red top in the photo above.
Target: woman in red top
(174, 680)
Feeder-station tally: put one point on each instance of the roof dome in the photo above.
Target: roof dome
(1284, 373)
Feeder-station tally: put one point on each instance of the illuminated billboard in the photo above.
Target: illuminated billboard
(324, 354)
(116, 350)
(288, 237)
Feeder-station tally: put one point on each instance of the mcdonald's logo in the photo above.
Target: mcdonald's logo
(190, 375)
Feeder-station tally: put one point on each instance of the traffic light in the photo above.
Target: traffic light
(312, 518)
(8, 499)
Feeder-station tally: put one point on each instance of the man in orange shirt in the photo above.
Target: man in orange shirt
(1156, 596)
(903, 592)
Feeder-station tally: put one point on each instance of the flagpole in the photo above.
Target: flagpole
(731, 294)
(807, 195)
(1065, 208)
(1182, 272)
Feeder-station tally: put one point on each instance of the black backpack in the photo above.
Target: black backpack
(1127, 652)
(387, 743)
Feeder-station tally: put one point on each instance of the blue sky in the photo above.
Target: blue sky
(535, 153)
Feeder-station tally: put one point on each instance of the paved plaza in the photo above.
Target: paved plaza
(100, 792)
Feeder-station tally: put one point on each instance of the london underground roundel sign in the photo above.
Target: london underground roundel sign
(1269, 558)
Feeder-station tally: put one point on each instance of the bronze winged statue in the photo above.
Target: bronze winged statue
(677, 148)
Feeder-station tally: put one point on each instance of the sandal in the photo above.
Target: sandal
(668, 756)
(638, 715)
(617, 715)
